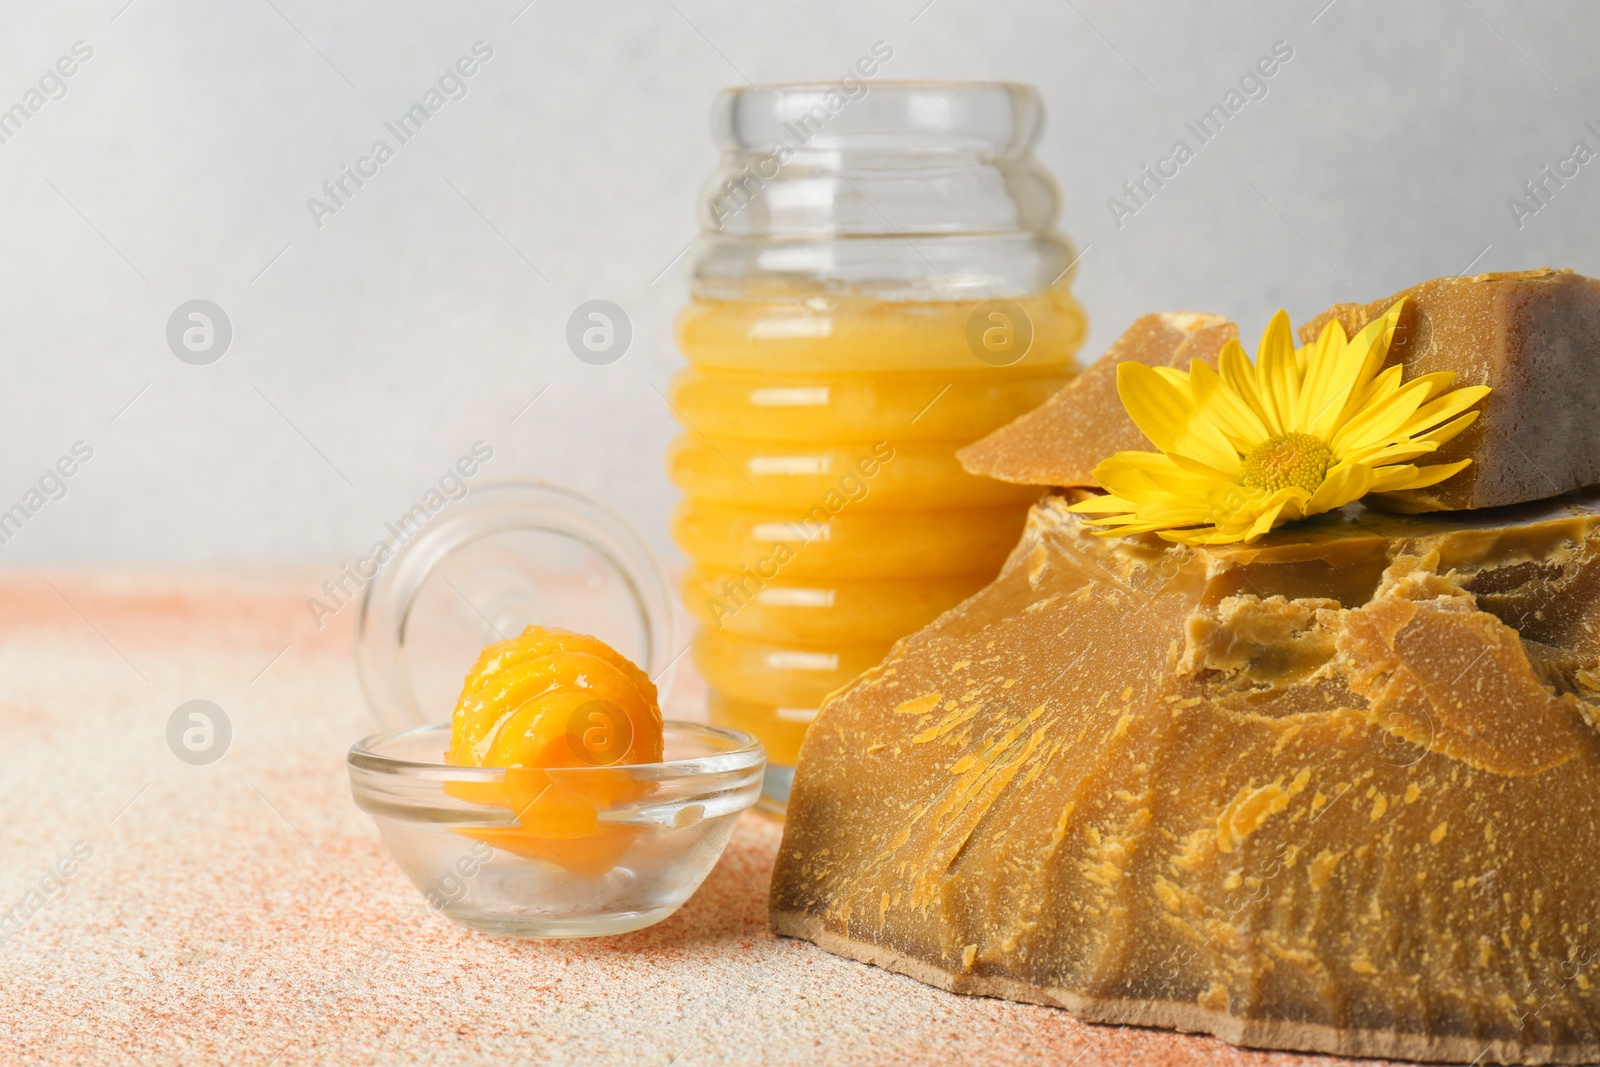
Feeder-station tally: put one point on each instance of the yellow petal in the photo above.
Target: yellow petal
(1437, 473)
(1323, 420)
(1240, 375)
(1223, 405)
(1101, 505)
(1156, 514)
(1440, 434)
(1372, 343)
(1268, 518)
(1378, 423)
(1344, 483)
(1205, 536)
(1277, 377)
(1137, 528)
(1320, 387)
(1156, 406)
(1439, 382)
(1166, 415)
(1363, 358)
(1381, 388)
(1444, 408)
(1394, 479)
(1144, 476)
(1178, 378)
(1193, 465)
(1401, 451)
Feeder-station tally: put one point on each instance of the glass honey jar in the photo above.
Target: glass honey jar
(878, 281)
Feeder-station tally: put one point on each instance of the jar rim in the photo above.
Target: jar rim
(997, 116)
(903, 84)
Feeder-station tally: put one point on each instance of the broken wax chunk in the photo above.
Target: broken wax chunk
(1336, 790)
(1531, 336)
(1060, 442)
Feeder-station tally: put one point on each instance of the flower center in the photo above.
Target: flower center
(1288, 459)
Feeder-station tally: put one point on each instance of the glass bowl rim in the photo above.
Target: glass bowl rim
(748, 755)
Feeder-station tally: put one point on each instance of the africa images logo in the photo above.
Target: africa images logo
(52, 85)
(452, 85)
(1252, 86)
(454, 484)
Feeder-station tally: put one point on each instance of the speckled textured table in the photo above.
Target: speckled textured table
(244, 912)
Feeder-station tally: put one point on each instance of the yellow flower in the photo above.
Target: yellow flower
(1252, 446)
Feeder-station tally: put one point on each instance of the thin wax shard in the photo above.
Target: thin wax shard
(1333, 790)
(1061, 441)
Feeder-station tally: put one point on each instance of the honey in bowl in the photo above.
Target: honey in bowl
(545, 700)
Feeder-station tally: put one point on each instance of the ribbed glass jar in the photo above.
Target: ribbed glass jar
(878, 282)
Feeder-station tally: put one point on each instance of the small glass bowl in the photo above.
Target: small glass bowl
(655, 846)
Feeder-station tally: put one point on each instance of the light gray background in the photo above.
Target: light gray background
(423, 316)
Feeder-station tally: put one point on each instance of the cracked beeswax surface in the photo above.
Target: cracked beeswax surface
(1337, 790)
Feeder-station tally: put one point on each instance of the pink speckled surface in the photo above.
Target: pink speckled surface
(246, 913)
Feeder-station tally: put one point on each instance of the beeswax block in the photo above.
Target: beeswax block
(1336, 790)
(1534, 338)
